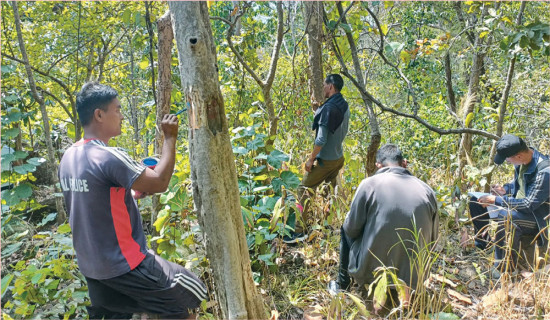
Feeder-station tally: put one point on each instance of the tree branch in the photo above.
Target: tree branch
(417, 118)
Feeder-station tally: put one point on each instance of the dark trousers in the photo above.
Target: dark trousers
(518, 223)
(155, 286)
(344, 279)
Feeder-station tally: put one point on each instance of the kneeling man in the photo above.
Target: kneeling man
(379, 229)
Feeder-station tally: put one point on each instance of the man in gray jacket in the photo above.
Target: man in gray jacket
(379, 230)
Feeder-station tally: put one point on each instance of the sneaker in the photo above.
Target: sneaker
(294, 238)
(333, 288)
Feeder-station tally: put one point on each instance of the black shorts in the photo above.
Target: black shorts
(155, 286)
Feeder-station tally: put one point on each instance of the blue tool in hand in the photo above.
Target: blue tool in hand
(182, 110)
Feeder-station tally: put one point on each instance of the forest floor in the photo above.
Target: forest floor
(459, 283)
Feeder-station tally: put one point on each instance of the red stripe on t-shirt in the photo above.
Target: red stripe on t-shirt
(123, 228)
(82, 142)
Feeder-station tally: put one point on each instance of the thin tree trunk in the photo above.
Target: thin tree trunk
(134, 117)
(61, 214)
(266, 84)
(165, 39)
(215, 188)
(151, 48)
(314, 30)
(504, 101)
(465, 146)
(376, 136)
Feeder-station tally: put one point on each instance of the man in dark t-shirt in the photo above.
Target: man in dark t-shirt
(123, 275)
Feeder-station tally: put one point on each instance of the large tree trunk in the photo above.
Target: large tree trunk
(215, 188)
(61, 214)
(314, 30)
(164, 87)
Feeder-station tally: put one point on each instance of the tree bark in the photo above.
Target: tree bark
(164, 87)
(215, 188)
(314, 31)
(61, 214)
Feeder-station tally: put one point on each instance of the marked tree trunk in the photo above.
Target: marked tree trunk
(61, 214)
(314, 31)
(215, 188)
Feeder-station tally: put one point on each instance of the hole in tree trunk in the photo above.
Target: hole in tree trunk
(193, 40)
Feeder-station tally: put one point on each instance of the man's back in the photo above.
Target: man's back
(387, 209)
(107, 232)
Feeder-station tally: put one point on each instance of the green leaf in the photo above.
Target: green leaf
(523, 42)
(24, 168)
(290, 179)
(23, 190)
(48, 218)
(6, 280)
(126, 16)
(143, 64)
(36, 277)
(10, 133)
(276, 158)
(9, 250)
(483, 34)
(384, 29)
(248, 218)
(36, 161)
(360, 305)
(64, 228)
(380, 292)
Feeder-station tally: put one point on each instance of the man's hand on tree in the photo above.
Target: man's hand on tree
(169, 125)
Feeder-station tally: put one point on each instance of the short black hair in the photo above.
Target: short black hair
(336, 80)
(389, 153)
(92, 96)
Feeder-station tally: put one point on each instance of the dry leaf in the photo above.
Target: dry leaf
(441, 279)
(459, 296)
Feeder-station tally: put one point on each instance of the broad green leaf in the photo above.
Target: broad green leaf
(380, 292)
(162, 219)
(24, 168)
(10, 133)
(36, 161)
(290, 179)
(126, 16)
(64, 228)
(23, 190)
(276, 158)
